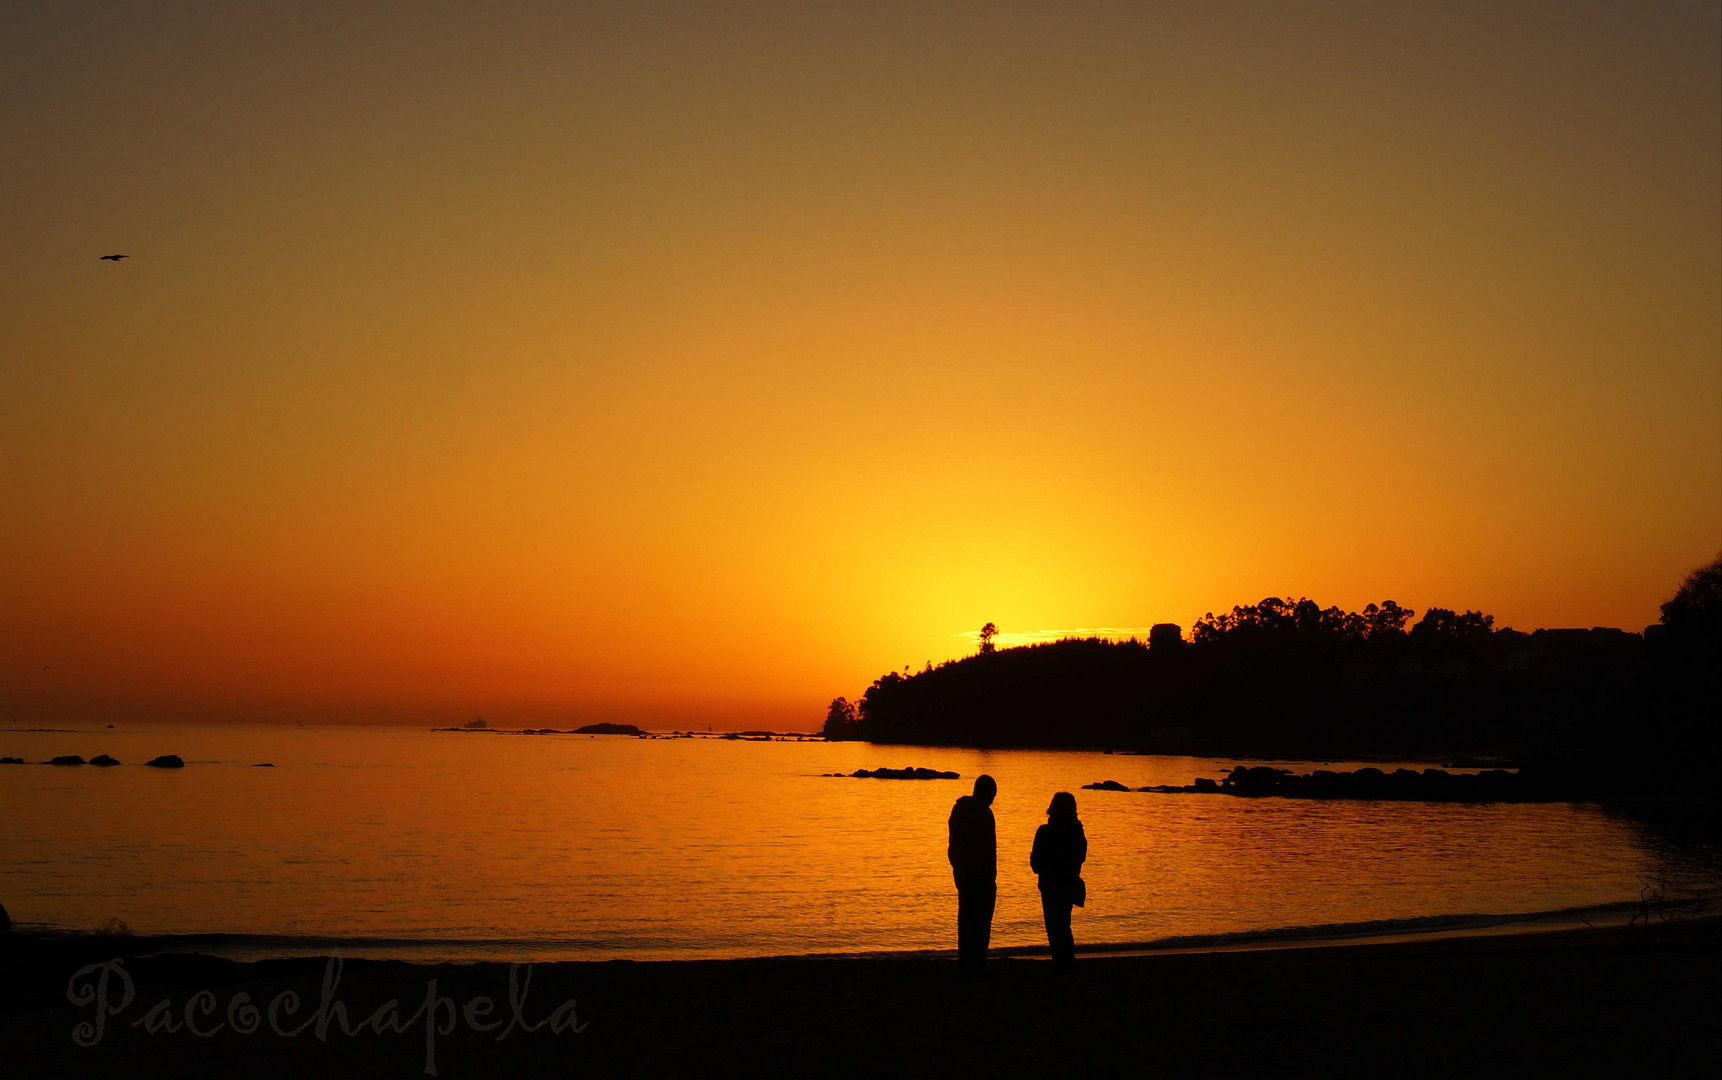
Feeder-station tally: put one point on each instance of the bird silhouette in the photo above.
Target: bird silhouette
(114, 258)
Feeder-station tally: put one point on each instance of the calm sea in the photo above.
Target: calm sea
(390, 841)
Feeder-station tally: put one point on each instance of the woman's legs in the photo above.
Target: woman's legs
(1056, 910)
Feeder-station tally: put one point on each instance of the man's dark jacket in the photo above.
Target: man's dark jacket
(973, 848)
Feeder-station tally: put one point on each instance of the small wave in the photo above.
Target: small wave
(1375, 928)
(1318, 934)
(282, 944)
(443, 947)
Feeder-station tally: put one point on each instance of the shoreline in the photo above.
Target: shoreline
(1592, 1001)
(1333, 935)
(256, 948)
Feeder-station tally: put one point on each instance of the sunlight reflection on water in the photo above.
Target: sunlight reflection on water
(578, 845)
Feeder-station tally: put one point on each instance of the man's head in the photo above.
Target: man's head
(985, 788)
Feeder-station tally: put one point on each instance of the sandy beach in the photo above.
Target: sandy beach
(1584, 1002)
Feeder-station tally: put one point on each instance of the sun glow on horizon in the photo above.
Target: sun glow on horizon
(663, 360)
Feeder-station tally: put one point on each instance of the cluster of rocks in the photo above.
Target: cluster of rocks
(166, 761)
(1430, 785)
(590, 729)
(637, 733)
(910, 773)
(1110, 785)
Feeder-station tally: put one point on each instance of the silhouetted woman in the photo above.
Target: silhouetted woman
(1060, 847)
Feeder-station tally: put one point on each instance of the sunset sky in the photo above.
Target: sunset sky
(694, 363)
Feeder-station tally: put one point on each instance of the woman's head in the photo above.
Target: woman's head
(1063, 806)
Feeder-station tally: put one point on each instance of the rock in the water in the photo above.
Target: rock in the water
(1257, 780)
(11, 761)
(166, 761)
(264, 765)
(608, 729)
(67, 759)
(1105, 785)
(1430, 785)
(909, 773)
(103, 759)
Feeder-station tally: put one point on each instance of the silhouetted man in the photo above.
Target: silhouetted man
(973, 852)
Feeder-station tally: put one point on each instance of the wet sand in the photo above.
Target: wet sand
(1604, 1001)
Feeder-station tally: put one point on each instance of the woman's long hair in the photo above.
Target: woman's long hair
(1063, 807)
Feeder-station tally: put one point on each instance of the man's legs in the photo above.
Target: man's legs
(975, 924)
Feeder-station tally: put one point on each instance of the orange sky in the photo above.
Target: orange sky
(698, 363)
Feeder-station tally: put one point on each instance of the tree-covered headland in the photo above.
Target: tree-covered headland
(1290, 678)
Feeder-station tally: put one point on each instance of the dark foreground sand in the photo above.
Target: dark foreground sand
(1583, 1003)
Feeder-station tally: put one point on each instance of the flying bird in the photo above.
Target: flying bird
(114, 258)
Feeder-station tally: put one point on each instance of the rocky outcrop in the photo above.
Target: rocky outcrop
(910, 773)
(1430, 785)
(103, 759)
(11, 761)
(608, 729)
(166, 761)
(66, 759)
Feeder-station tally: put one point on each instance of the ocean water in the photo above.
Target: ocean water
(395, 841)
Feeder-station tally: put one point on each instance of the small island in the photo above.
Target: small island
(910, 772)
